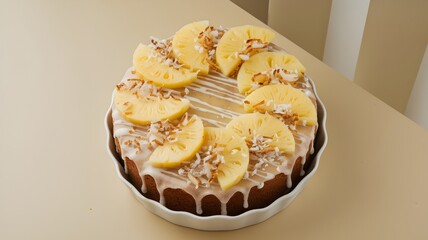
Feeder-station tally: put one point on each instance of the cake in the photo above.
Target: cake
(214, 121)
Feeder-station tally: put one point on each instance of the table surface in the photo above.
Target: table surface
(59, 63)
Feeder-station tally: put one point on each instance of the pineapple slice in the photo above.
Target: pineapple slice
(184, 47)
(254, 125)
(266, 62)
(235, 153)
(141, 110)
(282, 100)
(189, 141)
(152, 67)
(234, 42)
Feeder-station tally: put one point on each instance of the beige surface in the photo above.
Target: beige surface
(392, 48)
(58, 66)
(304, 22)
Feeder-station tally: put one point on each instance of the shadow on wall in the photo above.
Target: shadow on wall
(257, 8)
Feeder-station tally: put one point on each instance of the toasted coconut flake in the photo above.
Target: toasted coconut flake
(204, 167)
(282, 108)
(259, 103)
(193, 180)
(277, 76)
(244, 57)
(165, 131)
(120, 85)
(261, 79)
(262, 154)
(252, 46)
(146, 89)
(280, 111)
(207, 40)
(163, 52)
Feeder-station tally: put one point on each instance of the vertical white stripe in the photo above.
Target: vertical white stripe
(344, 35)
(417, 107)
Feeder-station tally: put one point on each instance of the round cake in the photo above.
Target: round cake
(214, 121)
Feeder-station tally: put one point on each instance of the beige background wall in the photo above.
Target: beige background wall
(304, 22)
(394, 41)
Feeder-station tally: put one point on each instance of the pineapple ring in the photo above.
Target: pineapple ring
(235, 42)
(185, 50)
(189, 141)
(151, 66)
(262, 64)
(235, 153)
(143, 111)
(285, 101)
(253, 125)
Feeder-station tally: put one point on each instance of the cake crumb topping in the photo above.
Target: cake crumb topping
(203, 171)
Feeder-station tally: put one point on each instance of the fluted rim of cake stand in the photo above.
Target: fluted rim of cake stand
(222, 222)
